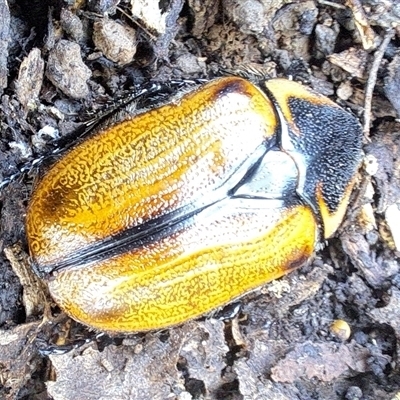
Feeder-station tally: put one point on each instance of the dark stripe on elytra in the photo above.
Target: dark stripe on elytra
(151, 231)
(128, 240)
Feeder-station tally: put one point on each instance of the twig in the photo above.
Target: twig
(332, 4)
(369, 88)
(136, 22)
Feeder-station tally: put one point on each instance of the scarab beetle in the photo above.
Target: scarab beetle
(171, 212)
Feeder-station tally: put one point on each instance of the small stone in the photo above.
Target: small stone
(67, 71)
(341, 329)
(116, 42)
(71, 24)
(30, 79)
(354, 393)
(345, 90)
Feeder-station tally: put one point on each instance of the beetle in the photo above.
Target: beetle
(165, 214)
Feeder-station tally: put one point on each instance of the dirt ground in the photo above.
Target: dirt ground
(62, 62)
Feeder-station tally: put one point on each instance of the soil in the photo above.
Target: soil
(330, 330)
